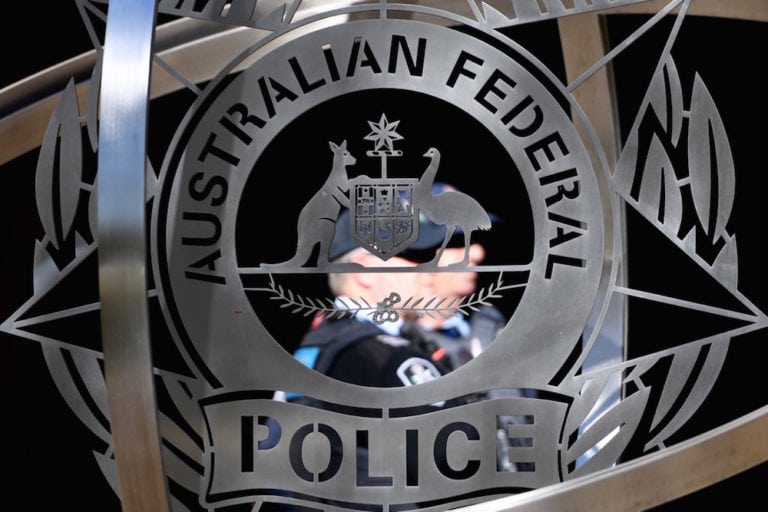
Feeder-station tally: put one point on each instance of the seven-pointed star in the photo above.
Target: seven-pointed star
(383, 133)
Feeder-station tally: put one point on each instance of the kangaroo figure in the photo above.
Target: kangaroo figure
(317, 220)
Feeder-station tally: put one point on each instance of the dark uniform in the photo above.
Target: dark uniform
(459, 342)
(359, 352)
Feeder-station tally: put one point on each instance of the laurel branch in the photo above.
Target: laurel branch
(386, 310)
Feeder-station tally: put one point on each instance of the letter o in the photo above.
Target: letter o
(297, 461)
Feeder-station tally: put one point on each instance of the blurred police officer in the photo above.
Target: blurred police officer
(459, 337)
(366, 347)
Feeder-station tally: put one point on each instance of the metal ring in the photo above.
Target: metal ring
(122, 255)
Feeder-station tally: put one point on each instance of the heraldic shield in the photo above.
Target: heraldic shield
(384, 218)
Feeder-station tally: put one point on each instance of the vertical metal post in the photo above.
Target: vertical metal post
(122, 255)
(584, 41)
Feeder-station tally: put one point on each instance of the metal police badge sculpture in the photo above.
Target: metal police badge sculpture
(364, 106)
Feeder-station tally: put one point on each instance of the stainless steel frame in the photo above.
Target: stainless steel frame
(122, 255)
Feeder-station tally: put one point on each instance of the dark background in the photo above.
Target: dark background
(45, 453)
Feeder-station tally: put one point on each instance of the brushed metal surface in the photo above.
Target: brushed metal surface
(122, 256)
(654, 479)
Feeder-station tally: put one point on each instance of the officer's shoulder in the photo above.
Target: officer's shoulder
(489, 312)
(392, 341)
(335, 329)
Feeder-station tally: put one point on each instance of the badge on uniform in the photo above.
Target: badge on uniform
(417, 370)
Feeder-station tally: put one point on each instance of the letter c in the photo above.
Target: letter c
(441, 455)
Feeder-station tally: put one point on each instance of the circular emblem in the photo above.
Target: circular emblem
(238, 180)
(371, 116)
